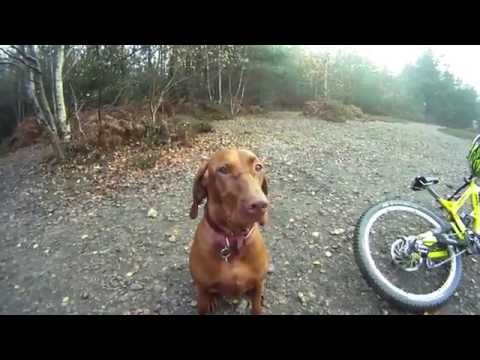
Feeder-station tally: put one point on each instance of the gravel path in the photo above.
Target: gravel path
(63, 251)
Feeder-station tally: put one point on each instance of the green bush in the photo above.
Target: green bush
(211, 112)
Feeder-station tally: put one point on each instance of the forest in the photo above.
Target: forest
(58, 86)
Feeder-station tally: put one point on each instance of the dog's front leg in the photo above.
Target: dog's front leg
(256, 298)
(206, 302)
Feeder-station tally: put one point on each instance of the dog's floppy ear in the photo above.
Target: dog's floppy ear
(265, 186)
(199, 190)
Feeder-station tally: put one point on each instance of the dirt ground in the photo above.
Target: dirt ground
(63, 251)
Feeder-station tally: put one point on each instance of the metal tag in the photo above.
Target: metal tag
(226, 252)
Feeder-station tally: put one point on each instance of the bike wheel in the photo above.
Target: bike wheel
(415, 290)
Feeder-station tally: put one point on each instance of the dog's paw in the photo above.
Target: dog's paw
(206, 306)
(257, 310)
(212, 305)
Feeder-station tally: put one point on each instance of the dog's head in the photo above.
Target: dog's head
(235, 184)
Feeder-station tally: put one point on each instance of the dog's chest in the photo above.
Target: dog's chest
(235, 279)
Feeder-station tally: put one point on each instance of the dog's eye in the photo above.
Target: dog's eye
(223, 170)
(258, 167)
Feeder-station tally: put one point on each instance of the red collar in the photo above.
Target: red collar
(230, 243)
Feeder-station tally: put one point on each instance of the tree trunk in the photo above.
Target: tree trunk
(209, 88)
(235, 101)
(36, 93)
(325, 79)
(31, 94)
(153, 112)
(42, 98)
(18, 110)
(230, 92)
(153, 91)
(119, 95)
(44, 103)
(240, 82)
(63, 126)
(162, 63)
(165, 130)
(220, 74)
(155, 102)
(99, 115)
(243, 89)
(19, 103)
(149, 56)
(99, 104)
(54, 97)
(44, 117)
(55, 142)
(163, 121)
(157, 63)
(77, 130)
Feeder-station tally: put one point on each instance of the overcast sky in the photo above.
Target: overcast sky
(462, 60)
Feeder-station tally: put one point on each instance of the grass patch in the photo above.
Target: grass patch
(395, 120)
(467, 134)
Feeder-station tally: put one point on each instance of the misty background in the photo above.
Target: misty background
(433, 84)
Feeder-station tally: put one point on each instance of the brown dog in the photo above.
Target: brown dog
(228, 256)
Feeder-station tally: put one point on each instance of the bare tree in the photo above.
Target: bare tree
(207, 61)
(54, 123)
(162, 84)
(220, 65)
(61, 113)
(52, 88)
(39, 115)
(155, 100)
(158, 97)
(325, 75)
(236, 99)
(36, 93)
(99, 102)
(238, 63)
(77, 130)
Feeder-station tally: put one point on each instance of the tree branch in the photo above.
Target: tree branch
(24, 54)
(70, 68)
(69, 51)
(19, 59)
(134, 51)
(6, 52)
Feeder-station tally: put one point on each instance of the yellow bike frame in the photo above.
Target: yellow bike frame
(453, 206)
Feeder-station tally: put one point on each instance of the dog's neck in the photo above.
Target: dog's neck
(222, 227)
(224, 238)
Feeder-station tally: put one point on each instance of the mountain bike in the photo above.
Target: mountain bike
(414, 260)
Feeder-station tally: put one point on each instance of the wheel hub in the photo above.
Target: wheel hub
(404, 255)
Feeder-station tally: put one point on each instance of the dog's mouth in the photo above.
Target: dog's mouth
(261, 218)
(247, 219)
(241, 218)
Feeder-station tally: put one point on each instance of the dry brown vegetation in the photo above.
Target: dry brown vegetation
(128, 124)
(27, 133)
(332, 110)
